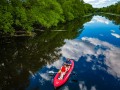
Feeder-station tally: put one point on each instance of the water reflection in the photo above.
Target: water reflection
(93, 47)
(42, 79)
(97, 56)
(97, 59)
(99, 19)
(21, 57)
(115, 19)
(93, 57)
(103, 29)
(115, 35)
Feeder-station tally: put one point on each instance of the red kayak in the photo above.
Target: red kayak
(57, 83)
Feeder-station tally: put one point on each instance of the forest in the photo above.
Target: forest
(26, 15)
(115, 8)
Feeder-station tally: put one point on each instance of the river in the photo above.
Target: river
(93, 42)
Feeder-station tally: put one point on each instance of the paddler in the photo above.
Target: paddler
(62, 71)
(68, 62)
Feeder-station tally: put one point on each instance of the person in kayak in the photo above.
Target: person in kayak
(68, 63)
(62, 71)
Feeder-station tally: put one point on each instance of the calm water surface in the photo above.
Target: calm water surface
(93, 43)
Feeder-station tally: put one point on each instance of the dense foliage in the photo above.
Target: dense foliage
(24, 15)
(111, 9)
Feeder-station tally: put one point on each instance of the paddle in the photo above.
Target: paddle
(51, 73)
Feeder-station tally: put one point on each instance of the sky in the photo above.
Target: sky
(101, 3)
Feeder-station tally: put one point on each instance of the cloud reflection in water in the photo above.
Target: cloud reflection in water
(94, 47)
(115, 35)
(99, 19)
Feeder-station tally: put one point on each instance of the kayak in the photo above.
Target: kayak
(57, 83)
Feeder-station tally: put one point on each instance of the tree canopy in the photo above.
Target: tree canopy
(24, 15)
(111, 9)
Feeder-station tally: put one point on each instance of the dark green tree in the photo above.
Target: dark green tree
(24, 15)
(111, 9)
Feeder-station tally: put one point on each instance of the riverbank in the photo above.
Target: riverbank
(88, 15)
(111, 14)
(18, 34)
(32, 33)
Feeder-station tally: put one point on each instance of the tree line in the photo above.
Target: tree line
(115, 19)
(110, 9)
(25, 15)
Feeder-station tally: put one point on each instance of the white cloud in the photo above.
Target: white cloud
(113, 31)
(57, 64)
(101, 3)
(93, 88)
(44, 76)
(82, 85)
(74, 49)
(65, 88)
(86, 47)
(115, 35)
(100, 19)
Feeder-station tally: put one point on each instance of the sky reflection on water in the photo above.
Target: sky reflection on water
(90, 47)
(96, 52)
(103, 29)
